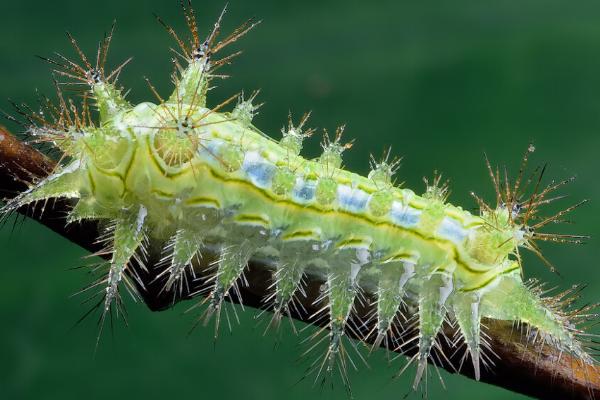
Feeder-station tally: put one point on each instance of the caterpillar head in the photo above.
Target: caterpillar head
(516, 221)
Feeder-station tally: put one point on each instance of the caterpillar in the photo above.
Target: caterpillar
(199, 179)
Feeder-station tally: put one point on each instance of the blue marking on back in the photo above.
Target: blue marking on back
(404, 215)
(258, 169)
(452, 230)
(304, 191)
(350, 199)
(209, 148)
(209, 151)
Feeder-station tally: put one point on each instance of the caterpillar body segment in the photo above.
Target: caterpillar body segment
(127, 237)
(180, 253)
(467, 311)
(288, 279)
(191, 176)
(391, 294)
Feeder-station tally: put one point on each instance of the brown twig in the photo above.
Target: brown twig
(520, 367)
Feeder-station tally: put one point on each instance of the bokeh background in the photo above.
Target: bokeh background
(441, 83)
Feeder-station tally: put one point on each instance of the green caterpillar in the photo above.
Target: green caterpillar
(197, 178)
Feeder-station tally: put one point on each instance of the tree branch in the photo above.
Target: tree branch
(519, 366)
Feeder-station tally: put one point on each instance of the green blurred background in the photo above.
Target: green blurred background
(440, 82)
